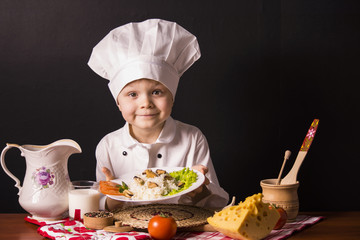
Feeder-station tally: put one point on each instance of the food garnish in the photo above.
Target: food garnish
(185, 178)
(123, 187)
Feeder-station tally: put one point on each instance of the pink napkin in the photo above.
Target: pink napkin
(73, 230)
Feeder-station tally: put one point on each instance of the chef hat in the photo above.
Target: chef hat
(155, 49)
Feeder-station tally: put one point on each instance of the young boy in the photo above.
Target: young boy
(143, 63)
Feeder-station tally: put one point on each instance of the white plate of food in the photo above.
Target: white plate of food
(153, 185)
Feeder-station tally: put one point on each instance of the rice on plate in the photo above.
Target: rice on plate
(162, 183)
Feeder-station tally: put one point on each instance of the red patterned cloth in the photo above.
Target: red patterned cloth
(301, 222)
(43, 222)
(75, 230)
(288, 229)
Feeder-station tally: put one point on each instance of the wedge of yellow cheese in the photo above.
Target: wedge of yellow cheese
(250, 220)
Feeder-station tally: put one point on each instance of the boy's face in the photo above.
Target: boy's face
(145, 104)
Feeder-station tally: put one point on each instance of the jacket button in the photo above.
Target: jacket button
(159, 155)
(124, 153)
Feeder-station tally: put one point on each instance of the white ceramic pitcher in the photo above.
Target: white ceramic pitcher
(44, 193)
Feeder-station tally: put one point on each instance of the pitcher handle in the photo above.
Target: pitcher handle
(8, 146)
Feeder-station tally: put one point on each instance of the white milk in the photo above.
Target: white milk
(87, 200)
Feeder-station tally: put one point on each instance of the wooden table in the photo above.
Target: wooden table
(336, 225)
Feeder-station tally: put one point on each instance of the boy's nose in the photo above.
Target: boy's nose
(146, 102)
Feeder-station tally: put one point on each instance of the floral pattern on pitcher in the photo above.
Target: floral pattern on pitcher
(43, 177)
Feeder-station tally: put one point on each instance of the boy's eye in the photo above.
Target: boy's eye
(132, 94)
(157, 92)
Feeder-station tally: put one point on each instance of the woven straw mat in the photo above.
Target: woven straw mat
(184, 215)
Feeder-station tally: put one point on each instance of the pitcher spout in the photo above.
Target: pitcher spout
(60, 150)
(68, 142)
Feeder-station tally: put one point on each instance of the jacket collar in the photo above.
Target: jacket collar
(167, 134)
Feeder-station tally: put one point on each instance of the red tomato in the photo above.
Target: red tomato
(162, 227)
(283, 217)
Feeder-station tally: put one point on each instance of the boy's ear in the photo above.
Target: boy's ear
(117, 102)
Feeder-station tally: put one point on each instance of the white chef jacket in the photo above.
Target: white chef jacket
(178, 145)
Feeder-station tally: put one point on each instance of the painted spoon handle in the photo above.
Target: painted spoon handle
(290, 178)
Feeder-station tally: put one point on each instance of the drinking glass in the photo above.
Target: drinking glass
(84, 197)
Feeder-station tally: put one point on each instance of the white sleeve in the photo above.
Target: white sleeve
(102, 160)
(218, 197)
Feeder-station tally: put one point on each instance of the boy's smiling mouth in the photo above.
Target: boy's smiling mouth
(147, 115)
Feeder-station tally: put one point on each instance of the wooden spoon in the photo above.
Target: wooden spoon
(290, 178)
(286, 157)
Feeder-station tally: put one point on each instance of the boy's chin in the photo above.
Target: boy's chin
(148, 125)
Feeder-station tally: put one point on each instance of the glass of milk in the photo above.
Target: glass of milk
(84, 197)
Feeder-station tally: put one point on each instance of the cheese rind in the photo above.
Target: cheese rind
(249, 220)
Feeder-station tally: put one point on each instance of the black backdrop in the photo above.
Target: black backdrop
(268, 68)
